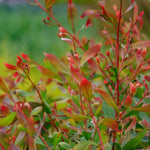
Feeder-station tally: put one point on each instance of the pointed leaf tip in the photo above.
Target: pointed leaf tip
(108, 99)
(86, 88)
(91, 52)
(57, 63)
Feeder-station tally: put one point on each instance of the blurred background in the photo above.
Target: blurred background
(22, 29)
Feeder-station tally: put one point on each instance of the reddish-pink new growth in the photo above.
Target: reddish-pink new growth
(11, 67)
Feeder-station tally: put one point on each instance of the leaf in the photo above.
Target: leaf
(65, 145)
(76, 75)
(143, 109)
(91, 52)
(132, 125)
(37, 110)
(86, 88)
(108, 99)
(135, 14)
(117, 146)
(46, 71)
(3, 85)
(46, 106)
(84, 145)
(20, 137)
(49, 3)
(129, 8)
(11, 67)
(141, 44)
(93, 65)
(57, 63)
(98, 110)
(7, 120)
(111, 123)
(135, 141)
(147, 78)
(76, 117)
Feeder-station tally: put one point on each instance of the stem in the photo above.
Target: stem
(37, 90)
(82, 108)
(59, 24)
(95, 123)
(117, 61)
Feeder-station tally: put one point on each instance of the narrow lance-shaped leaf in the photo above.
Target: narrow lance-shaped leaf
(108, 99)
(141, 44)
(76, 75)
(3, 85)
(84, 145)
(111, 123)
(46, 71)
(76, 117)
(49, 3)
(7, 120)
(91, 52)
(132, 125)
(143, 109)
(57, 63)
(135, 141)
(86, 88)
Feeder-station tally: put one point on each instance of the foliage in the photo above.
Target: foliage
(89, 99)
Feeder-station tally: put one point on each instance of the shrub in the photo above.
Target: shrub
(91, 98)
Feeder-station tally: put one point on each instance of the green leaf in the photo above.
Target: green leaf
(76, 117)
(108, 111)
(91, 52)
(108, 99)
(117, 146)
(7, 120)
(84, 145)
(37, 110)
(49, 3)
(57, 63)
(135, 141)
(46, 106)
(65, 145)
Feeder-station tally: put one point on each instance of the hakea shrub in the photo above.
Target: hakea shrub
(88, 99)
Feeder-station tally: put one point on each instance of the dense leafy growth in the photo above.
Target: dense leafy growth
(95, 98)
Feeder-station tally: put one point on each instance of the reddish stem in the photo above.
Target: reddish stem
(117, 61)
(95, 123)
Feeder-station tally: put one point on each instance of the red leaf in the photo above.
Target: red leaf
(128, 101)
(91, 52)
(57, 63)
(25, 57)
(147, 78)
(86, 88)
(46, 71)
(132, 88)
(135, 14)
(146, 124)
(11, 67)
(76, 75)
(111, 123)
(88, 12)
(93, 65)
(132, 125)
(141, 44)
